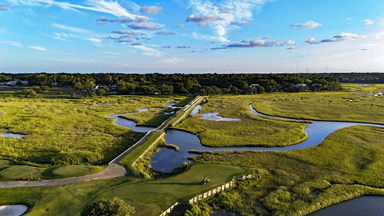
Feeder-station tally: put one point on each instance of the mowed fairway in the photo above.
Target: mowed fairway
(150, 196)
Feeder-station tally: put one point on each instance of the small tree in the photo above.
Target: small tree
(115, 207)
(101, 92)
(45, 88)
(29, 93)
(73, 94)
(260, 89)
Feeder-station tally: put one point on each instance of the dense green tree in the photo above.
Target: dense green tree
(114, 207)
(29, 93)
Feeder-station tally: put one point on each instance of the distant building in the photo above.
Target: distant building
(12, 83)
(345, 79)
(299, 85)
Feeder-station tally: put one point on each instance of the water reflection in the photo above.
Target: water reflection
(10, 135)
(362, 206)
(211, 116)
(13, 210)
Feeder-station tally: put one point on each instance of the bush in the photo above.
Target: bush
(37, 89)
(101, 92)
(73, 94)
(115, 207)
(59, 93)
(45, 88)
(29, 93)
(260, 89)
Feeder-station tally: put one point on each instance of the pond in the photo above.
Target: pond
(211, 116)
(10, 135)
(13, 210)
(362, 206)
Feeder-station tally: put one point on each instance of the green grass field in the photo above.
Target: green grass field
(350, 159)
(149, 196)
(252, 130)
(333, 106)
(63, 131)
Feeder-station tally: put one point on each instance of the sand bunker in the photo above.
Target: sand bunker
(13, 210)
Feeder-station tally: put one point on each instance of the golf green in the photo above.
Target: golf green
(71, 170)
(18, 172)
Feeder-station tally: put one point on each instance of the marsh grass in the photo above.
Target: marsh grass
(331, 106)
(61, 131)
(252, 130)
(348, 164)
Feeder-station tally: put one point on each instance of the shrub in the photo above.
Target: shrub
(37, 89)
(45, 88)
(59, 93)
(101, 92)
(73, 94)
(115, 207)
(29, 93)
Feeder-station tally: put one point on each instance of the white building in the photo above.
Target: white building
(299, 85)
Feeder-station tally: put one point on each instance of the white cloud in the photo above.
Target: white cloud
(368, 22)
(307, 25)
(112, 53)
(379, 35)
(381, 22)
(72, 29)
(74, 60)
(150, 10)
(310, 40)
(173, 60)
(149, 51)
(338, 38)
(290, 42)
(240, 11)
(291, 48)
(103, 6)
(12, 43)
(207, 37)
(94, 40)
(38, 48)
(348, 18)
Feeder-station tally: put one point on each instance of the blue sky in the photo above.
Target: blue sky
(191, 36)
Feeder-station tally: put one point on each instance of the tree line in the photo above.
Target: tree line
(205, 84)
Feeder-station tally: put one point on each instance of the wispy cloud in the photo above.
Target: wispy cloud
(112, 53)
(338, 38)
(307, 25)
(143, 26)
(368, 22)
(150, 10)
(38, 48)
(258, 42)
(73, 60)
(148, 51)
(103, 6)
(202, 21)
(182, 47)
(4, 7)
(165, 33)
(208, 37)
(94, 40)
(182, 26)
(291, 48)
(173, 60)
(12, 43)
(348, 18)
(72, 29)
(381, 22)
(240, 11)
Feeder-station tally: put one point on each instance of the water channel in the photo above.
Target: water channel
(167, 159)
